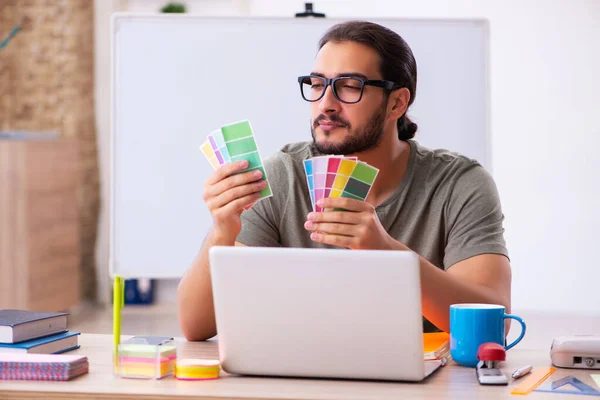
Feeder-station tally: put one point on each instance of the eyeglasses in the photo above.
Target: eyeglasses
(345, 89)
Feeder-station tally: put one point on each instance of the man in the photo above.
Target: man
(441, 205)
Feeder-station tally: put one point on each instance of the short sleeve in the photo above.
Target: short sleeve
(474, 217)
(259, 227)
(260, 224)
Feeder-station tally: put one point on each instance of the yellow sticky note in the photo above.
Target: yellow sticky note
(596, 378)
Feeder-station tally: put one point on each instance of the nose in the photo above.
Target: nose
(328, 103)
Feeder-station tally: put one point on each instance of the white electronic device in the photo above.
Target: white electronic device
(579, 351)
(319, 313)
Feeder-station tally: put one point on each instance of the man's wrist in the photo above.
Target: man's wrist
(396, 245)
(221, 238)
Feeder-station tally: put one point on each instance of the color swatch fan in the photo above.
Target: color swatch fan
(338, 176)
(235, 142)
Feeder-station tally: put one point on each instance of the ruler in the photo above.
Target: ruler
(535, 379)
(582, 388)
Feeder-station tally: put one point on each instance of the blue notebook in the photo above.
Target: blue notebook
(53, 344)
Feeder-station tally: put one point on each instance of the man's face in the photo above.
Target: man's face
(340, 128)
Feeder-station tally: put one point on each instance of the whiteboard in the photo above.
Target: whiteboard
(176, 78)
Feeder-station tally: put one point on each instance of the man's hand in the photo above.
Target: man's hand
(357, 228)
(227, 195)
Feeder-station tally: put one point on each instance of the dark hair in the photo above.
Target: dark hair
(397, 61)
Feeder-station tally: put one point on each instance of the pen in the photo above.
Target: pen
(10, 36)
(522, 371)
(118, 303)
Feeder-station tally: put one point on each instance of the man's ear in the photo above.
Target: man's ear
(398, 103)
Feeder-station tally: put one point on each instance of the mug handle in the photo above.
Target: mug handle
(523, 329)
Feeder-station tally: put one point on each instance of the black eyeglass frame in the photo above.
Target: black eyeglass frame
(388, 85)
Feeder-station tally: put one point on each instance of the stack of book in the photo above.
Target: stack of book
(42, 367)
(436, 346)
(35, 332)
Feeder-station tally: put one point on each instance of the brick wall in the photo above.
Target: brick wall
(47, 85)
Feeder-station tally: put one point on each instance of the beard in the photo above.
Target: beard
(358, 140)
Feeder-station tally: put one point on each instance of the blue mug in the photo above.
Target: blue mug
(474, 324)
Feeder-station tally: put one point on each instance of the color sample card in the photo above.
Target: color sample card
(320, 165)
(343, 175)
(333, 164)
(240, 143)
(308, 170)
(235, 142)
(360, 181)
(338, 176)
(217, 143)
(208, 151)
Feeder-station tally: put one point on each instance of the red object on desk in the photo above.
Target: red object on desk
(491, 352)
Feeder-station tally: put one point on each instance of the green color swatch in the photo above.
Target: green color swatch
(242, 146)
(236, 131)
(365, 173)
(253, 159)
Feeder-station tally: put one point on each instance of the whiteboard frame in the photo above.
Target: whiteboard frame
(119, 17)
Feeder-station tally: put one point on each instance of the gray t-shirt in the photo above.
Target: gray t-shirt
(446, 208)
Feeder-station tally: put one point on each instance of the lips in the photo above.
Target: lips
(330, 125)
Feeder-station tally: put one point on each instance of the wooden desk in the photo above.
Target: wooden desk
(451, 381)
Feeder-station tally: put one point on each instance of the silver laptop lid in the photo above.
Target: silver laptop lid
(318, 313)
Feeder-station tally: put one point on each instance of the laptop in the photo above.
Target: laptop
(319, 313)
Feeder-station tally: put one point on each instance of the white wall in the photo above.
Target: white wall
(103, 10)
(544, 91)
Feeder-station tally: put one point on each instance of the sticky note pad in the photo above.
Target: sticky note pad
(197, 369)
(241, 145)
(137, 360)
